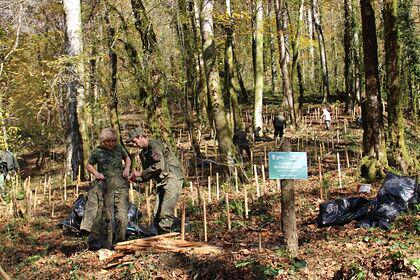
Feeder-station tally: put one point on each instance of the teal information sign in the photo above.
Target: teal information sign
(287, 165)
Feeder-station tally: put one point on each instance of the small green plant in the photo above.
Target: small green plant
(237, 207)
(356, 272)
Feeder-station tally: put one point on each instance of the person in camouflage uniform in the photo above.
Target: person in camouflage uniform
(107, 204)
(161, 164)
(8, 164)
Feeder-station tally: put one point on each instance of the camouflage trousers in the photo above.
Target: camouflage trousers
(106, 209)
(167, 196)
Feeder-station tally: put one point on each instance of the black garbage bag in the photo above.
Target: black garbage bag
(71, 225)
(342, 211)
(396, 195)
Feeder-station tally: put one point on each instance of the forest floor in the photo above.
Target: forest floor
(35, 248)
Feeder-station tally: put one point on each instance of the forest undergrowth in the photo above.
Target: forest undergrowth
(34, 247)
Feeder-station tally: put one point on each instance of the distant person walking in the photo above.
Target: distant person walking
(161, 164)
(240, 140)
(107, 203)
(279, 124)
(8, 164)
(327, 118)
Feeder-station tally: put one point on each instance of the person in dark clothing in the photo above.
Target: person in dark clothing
(279, 123)
(241, 142)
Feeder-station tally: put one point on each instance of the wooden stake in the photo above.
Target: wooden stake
(265, 156)
(192, 193)
(209, 188)
(45, 185)
(257, 184)
(263, 179)
(227, 211)
(205, 220)
(339, 170)
(278, 185)
(246, 201)
(49, 189)
(65, 188)
(211, 169)
(338, 136)
(252, 158)
(217, 187)
(183, 221)
(149, 213)
(131, 193)
(320, 178)
(35, 197)
(52, 210)
(259, 241)
(347, 158)
(236, 180)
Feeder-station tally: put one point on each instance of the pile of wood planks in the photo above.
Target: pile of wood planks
(165, 243)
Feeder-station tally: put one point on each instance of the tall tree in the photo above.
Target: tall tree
(322, 51)
(287, 87)
(397, 154)
(223, 132)
(259, 65)
(230, 70)
(77, 137)
(374, 146)
(156, 102)
(348, 55)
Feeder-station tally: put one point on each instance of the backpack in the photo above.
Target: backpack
(8, 162)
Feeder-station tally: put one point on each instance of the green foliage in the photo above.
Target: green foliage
(357, 272)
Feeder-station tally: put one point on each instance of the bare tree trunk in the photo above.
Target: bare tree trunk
(259, 67)
(287, 88)
(223, 133)
(273, 63)
(397, 154)
(348, 56)
(322, 51)
(373, 131)
(77, 137)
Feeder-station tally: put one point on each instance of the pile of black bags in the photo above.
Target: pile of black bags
(396, 195)
(71, 225)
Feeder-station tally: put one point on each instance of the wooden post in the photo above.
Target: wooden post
(205, 220)
(209, 188)
(236, 180)
(339, 170)
(278, 184)
(192, 193)
(347, 157)
(259, 241)
(217, 187)
(246, 201)
(338, 136)
(131, 193)
(49, 189)
(65, 188)
(45, 185)
(257, 185)
(35, 197)
(252, 158)
(52, 210)
(211, 169)
(288, 213)
(227, 211)
(78, 181)
(320, 178)
(183, 221)
(265, 156)
(263, 179)
(149, 213)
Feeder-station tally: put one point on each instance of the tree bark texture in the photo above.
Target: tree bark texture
(259, 66)
(348, 56)
(156, 103)
(322, 51)
(77, 136)
(287, 88)
(223, 133)
(397, 154)
(288, 213)
(373, 131)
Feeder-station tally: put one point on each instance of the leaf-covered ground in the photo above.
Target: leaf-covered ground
(35, 248)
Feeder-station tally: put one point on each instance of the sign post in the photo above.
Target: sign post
(287, 165)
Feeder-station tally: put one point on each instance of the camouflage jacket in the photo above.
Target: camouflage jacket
(159, 162)
(109, 162)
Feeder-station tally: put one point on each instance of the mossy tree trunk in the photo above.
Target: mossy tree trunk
(156, 103)
(223, 133)
(374, 152)
(397, 154)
